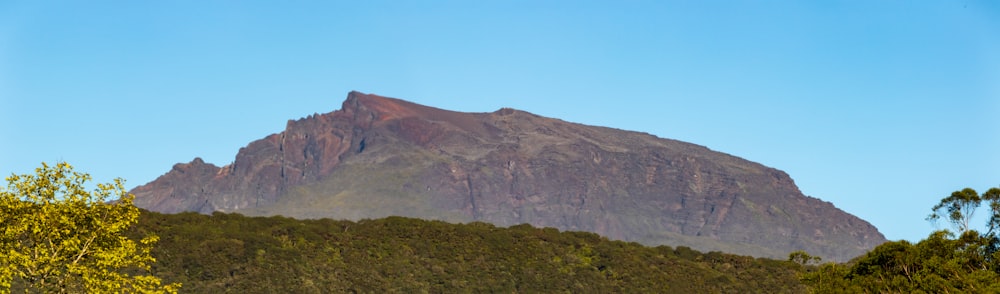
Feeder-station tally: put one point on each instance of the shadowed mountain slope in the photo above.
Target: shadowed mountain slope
(380, 156)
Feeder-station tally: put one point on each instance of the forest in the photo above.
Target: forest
(944, 262)
(233, 253)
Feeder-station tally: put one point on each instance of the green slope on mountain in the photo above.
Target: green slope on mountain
(380, 186)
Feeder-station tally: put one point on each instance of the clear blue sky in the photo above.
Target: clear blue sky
(880, 107)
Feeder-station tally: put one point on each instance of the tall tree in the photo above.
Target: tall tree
(957, 208)
(56, 236)
(993, 196)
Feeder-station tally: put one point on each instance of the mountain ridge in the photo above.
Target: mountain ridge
(380, 156)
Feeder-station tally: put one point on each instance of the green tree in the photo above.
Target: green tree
(55, 236)
(803, 258)
(957, 208)
(993, 196)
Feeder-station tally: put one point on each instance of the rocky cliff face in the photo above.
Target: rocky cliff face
(379, 156)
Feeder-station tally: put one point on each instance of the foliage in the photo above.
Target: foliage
(958, 208)
(803, 258)
(938, 264)
(233, 253)
(993, 196)
(943, 263)
(55, 236)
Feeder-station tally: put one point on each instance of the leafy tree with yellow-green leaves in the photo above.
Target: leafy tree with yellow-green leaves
(58, 237)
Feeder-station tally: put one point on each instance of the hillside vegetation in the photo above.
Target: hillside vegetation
(945, 262)
(233, 253)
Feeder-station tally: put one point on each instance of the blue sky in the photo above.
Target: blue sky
(880, 107)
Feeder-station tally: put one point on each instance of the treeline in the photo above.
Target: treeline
(57, 237)
(938, 264)
(233, 253)
(968, 262)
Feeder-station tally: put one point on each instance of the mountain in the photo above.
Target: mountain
(379, 156)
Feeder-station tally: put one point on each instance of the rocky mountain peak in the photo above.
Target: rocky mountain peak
(197, 165)
(380, 156)
(380, 109)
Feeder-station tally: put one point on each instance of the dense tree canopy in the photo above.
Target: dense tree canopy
(56, 236)
(233, 253)
(945, 262)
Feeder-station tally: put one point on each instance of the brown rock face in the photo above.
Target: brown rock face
(380, 156)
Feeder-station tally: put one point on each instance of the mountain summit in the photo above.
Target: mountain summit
(380, 156)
